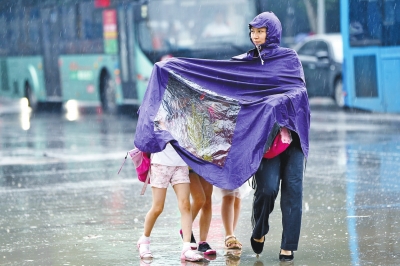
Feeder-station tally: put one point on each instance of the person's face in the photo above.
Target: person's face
(258, 35)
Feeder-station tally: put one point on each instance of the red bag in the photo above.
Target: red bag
(280, 143)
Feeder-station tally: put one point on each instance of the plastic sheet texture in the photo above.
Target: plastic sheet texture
(201, 121)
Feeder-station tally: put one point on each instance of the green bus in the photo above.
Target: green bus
(101, 52)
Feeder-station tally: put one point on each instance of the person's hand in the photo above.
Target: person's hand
(285, 135)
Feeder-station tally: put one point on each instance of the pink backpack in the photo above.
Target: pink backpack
(141, 160)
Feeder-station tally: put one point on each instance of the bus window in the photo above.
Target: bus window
(365, 76)
(68, 22)
(391, 22)
(91, 23)
(31, 31)
(3, 35)
(13, 31)
(374, 23)
(82, 31)
(183, 31)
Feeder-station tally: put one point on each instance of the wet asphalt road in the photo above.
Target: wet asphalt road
(62, 202)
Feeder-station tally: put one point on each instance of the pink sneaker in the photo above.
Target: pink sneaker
(190, 255)
(144, 249)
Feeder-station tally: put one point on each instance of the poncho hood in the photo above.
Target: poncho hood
(274, 28)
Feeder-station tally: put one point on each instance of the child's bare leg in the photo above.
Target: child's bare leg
(236, 207)
(151, 217)
(157, 207)
(201, 192)
(230, 210)
(206, 210)
(182, 192)
(227, 214)
(197, 193)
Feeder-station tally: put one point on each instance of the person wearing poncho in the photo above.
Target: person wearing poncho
(222, 115)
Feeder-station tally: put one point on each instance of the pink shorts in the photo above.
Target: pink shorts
(162, 175)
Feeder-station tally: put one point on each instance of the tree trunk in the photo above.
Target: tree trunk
(312, 17)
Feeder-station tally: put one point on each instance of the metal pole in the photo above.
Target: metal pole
(321, 17)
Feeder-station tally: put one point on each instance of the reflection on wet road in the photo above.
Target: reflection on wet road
(62, 202)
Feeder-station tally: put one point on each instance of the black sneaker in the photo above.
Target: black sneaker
(206, 249)
(193, 244)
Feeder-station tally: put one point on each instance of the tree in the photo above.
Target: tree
(301, 16)
(331, 7)
(311, 14)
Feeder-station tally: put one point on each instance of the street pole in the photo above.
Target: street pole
(321, 17)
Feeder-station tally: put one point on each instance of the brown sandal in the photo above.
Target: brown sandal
(231, 242)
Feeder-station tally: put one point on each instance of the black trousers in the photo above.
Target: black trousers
(286, 170)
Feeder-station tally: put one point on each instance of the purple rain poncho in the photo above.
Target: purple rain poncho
(221, 116)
